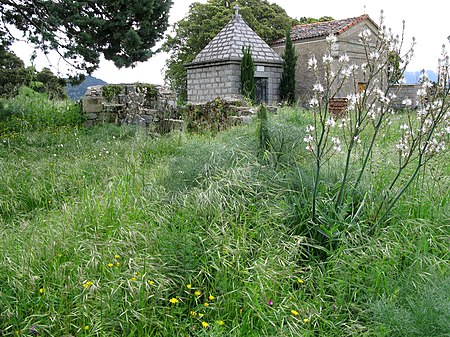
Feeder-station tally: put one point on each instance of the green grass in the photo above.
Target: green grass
(101, 227)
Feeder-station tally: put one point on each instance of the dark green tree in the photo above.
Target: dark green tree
(14, 74)
(248, 74)
(204, 21)
(81, 31)
(394, 69)
(287, 85)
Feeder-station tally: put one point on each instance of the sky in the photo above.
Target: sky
(427, 21)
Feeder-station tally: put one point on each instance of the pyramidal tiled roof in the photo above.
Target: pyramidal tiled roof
(323, 29)
(227, 45)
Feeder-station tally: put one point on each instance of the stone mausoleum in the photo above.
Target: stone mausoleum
(215, 71)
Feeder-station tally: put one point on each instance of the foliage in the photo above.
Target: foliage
(150, 90)
(248, 75)
(110, 91)
(263, 130)
(13, 75)
(121, 31)
(287, 85)
(31, 110)
(204, 21)
(305, 20)
(368, 117)
(132, 235)
(395, 71)
(209, 117)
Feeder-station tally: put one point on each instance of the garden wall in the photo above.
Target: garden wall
(138, 104)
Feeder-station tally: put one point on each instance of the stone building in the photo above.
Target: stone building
(310, 39)
(215, 71)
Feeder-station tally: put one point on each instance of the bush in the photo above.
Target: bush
(34, 111)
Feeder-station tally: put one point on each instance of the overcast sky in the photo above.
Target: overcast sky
(428, 21)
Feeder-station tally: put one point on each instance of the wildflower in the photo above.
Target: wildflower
(313, 102)
(308, 139)
(205, 324)
(133, 279)
(306, 320)
(294, 312)
(118, 264)
(41, 291)
(331, 38)
(151, 282)
(312, 63)
(330, 122)
(220, 322)
(206, 304)
(421, 92)
(87, 284)
(270, 303)
(197, 293)
(374, 55)
(327, 58)
(211, 297)
(201, 315)
(189, 286)
(116, 257)
(110, 264)
(404, 127)
(173, 300)
(344, 58)
(318, 87)
(300, 281)
(309, 128)
(86, 327)
(336, 144)
(193, 313)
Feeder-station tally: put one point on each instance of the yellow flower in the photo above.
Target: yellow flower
(220, 322)
(110, 264)
(300, 281)
(201, 315)
(193, 313)
(206, 304)
(86, 328)
(205, 325)
(151, 282)
(198, 293)
(118, 264)
(87, 284)
(189, 286)
(41, 290)
(211, 297)
(116, 257)
(133, 279)
(306, 320)
(173, 300)
(294, 312)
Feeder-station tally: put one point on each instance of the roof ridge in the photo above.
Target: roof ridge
(335, 20)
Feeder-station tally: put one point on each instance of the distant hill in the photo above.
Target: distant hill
(75, 92)
(413, 77)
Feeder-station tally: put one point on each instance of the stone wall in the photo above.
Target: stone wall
(404, 91)
(130, 106)
(206, 82)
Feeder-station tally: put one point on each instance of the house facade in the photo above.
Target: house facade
(310, 39)
(215, 71)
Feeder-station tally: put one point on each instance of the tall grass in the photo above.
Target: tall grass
(110, 232)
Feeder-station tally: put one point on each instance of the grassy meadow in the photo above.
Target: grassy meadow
(110, 231)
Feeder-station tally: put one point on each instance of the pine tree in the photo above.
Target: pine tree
(287, 85)
(248, 74)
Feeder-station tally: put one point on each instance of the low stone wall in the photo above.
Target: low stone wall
(132, 105)
(404, 91)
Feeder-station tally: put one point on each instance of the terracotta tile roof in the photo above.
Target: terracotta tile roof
(323, 29)
(227, 45)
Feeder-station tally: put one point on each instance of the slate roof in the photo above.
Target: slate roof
(323, 29)
(227, 45)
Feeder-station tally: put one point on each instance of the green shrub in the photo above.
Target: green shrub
(34, 111)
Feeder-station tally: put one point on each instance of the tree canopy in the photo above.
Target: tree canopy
(14, 74)
(123, 31)
(204, 21)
